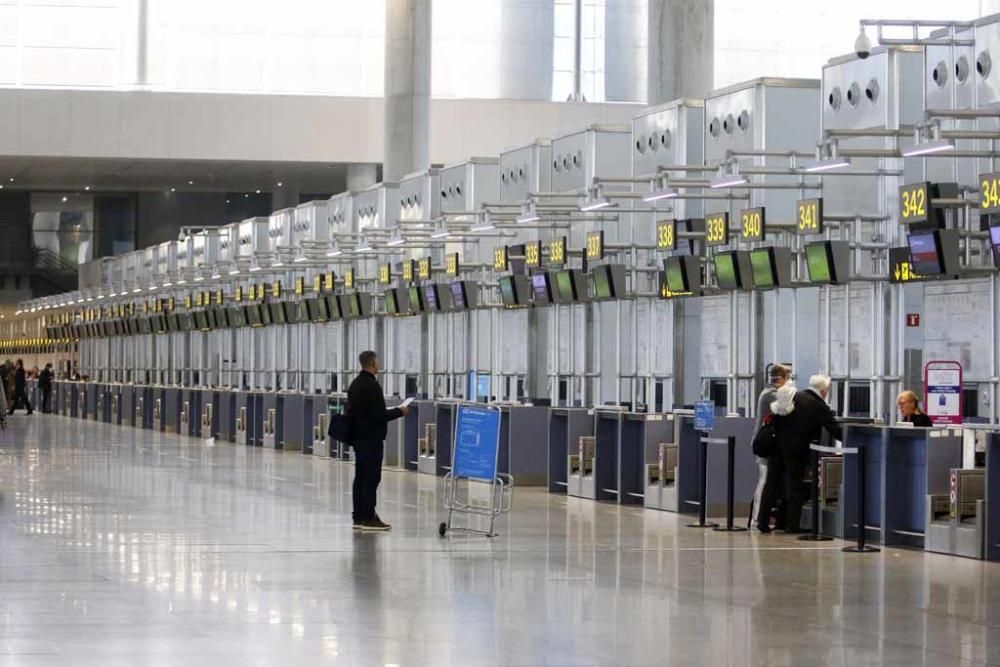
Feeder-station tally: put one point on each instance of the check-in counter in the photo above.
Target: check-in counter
(566, 427)
(322, 407)
(227, 415)
(115, 404)
(208, 413)
(189, 423)
(272, 419)
(436, 456)
(171, 409)
(67, 398)
(395, 439)
(689, 458)
(249, 418)
(992, 538)
(295, 416)
(415, 445)
(903, 466)
(613, 465)
(522, 451)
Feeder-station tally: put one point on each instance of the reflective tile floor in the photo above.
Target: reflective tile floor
(122, 547)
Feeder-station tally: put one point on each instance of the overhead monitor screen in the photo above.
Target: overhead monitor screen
(431, 298)
(507, 293)
(293, 311)
(145, 325)
(726, 271)
(540, 288)
(333, 307)
(159, 324)
(995, 241)
(265, 315)
(762, 269)
(602, 282)
(818, 262)
(925, 254)
(201, 320)
(236, 316)
(221, 318)
(277, 312)
(316, 310)
(458, 295)
(251, 314)
(565, 289)
(676, 279)
(185, 322)
(391, 302)
(172, 324)
(416, 299)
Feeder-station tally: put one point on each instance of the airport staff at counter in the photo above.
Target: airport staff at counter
(909, 409)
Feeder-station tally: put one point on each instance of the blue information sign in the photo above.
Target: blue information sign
(704, 415)
(477, 436)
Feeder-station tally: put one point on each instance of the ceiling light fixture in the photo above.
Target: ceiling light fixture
(814, 166)
(657, 195)
(929, 148)
(727, 182)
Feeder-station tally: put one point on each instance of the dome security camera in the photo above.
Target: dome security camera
(863, 45)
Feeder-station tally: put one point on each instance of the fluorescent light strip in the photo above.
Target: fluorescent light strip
(595, 206)
(928, 148)
(728, 182)
(827, 165)
(657, 195)
(484, 228)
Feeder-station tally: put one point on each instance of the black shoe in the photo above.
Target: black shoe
(375, 524)
(764, 529)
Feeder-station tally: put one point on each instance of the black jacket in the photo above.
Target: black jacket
(45, 379)
(20, 380)
(919, 419)
(367, 411)
(805, 424)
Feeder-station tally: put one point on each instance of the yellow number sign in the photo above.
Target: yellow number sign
(809, 216)
(666, 235)
(557, 250)
(752, 224)
(595, 245)
(913, 202)
(717, 229)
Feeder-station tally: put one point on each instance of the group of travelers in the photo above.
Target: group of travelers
(789, 420)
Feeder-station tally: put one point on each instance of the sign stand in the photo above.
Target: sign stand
(474, 459)
(943, 392)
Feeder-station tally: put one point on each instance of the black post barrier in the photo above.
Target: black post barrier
(703, 489)
(730, 489)
(814, 535)
(861, 547)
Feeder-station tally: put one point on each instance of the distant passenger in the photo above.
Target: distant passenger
(805, 415)
(45, 386)
(21, 389)
(778, 376)
(909, 408)
(368, 418)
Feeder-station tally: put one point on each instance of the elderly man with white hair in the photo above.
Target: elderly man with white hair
(803, 415)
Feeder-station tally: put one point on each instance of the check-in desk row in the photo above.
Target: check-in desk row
(649, 459)
(917, 493)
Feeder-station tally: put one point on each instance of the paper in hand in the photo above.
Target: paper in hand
(406, 402)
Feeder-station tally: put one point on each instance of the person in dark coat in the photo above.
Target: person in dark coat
(803, 416)
(368, 418)
(909, 409)
(21, 389)
(45, 386)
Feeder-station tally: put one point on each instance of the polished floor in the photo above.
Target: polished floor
(124, 547)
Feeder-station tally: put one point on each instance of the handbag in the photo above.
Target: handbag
(340, 427)
(765, 441)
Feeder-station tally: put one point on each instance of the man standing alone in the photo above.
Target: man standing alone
(45, 386)
(368, 418)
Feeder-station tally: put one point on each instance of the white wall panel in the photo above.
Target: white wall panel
(956, 324)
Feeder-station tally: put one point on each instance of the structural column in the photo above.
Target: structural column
(407, 87)
(361, 176)
(681, 49)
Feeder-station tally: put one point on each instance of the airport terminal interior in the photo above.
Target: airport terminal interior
(686, 315)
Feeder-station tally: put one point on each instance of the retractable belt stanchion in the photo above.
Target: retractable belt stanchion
(703, 486)
(730, 488)
(814, 535)
(861, 547)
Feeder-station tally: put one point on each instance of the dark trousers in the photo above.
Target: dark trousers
(46, 400)
(21, 399)
(367, 476)
(785, 473)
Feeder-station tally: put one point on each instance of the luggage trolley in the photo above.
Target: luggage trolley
(474, 467)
